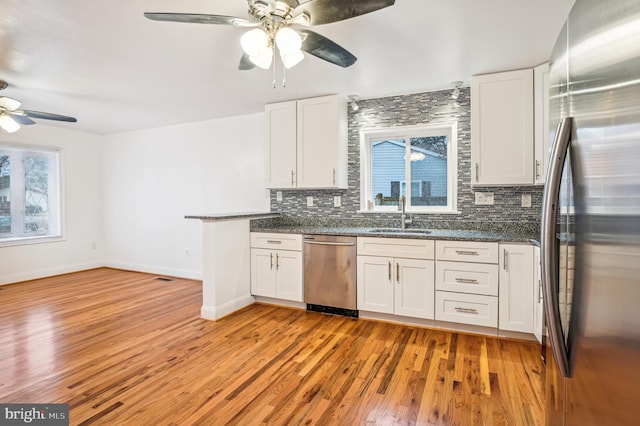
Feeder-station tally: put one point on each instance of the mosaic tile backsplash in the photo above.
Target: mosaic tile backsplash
(408, 110)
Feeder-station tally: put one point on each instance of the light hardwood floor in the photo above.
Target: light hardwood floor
(122, 348)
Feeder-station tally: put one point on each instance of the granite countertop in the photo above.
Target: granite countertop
(233, 216)
(434, 234)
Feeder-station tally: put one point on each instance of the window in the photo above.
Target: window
(424, 156)
(29, 194)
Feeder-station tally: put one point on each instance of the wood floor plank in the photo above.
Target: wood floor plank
(124, 348)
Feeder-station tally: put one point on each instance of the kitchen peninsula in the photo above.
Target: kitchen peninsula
(226, 262)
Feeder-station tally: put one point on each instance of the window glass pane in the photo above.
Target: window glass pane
(36, 194)
(5, 194)
(429, 172)
(387, 171)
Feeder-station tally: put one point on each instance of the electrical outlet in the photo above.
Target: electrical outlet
(484, 198)
(526, 200)
(337, 201)
(278, 195)
(309, 201)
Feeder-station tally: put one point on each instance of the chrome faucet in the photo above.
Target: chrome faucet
(404, 220)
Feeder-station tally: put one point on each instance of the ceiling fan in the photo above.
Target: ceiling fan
(12, 116)
(272, 22)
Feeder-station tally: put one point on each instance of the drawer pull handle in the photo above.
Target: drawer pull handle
(398, 273)
(467, 253)
(274, 242)
(467, 310)
(467, 281)
(389, 271)
(271, 258)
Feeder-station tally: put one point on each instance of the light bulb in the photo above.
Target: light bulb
(263, 58)
(288, 41)
(8, 124)
(291, 60)
(254, 41)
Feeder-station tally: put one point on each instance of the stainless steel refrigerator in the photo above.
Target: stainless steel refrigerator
(590, 238)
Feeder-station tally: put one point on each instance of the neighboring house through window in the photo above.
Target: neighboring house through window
(29, 194)
(425, 156)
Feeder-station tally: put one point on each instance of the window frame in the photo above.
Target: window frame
(57, 221)
(370, 135)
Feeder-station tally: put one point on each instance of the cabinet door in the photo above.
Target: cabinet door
(375, 284)
(516, 288)
(322, 145)
(282, 137)
(288, 265)
(263, 273)
(414, 288)
(502, 128)
(541, 122)
(538, 322)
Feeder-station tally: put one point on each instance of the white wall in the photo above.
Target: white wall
(153, 178)
(82, 208)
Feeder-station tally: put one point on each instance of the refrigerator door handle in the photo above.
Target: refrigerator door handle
(548, 248)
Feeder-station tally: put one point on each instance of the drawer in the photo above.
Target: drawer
(477, 278)
(276, 241)
(396, 247)
(467, 308)
(467, 251)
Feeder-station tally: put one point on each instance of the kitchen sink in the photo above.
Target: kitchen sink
(400, 231)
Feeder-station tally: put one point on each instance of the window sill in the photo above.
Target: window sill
(41, 239)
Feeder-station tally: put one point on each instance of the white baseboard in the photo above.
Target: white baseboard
(153, 269)
(216, 312)
(49, 272)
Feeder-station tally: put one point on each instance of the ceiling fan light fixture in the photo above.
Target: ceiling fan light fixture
(291, 60)
(253, 42)
(263, 59)
(289, 41)
(9, 104)
(8, 124)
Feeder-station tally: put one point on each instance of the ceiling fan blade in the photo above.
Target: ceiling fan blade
(323, 48)
(22, 119)
(49, 116)
(327, 11)
(196, 18)
(245, 63)
(9, 104)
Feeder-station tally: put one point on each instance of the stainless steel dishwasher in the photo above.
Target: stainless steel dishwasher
(330, 274)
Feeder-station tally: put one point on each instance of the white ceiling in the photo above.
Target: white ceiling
(104, 63)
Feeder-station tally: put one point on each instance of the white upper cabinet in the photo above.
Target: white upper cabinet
(307, 143)
(502, 128)
(282, 137)
(541, 120)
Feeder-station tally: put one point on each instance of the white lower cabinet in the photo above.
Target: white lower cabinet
(394, 285)
(276, 273)
(467, 282)
(516, 288)
(538, 312)
(467, 308)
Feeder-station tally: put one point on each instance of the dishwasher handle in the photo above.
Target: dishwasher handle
(328, 243)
